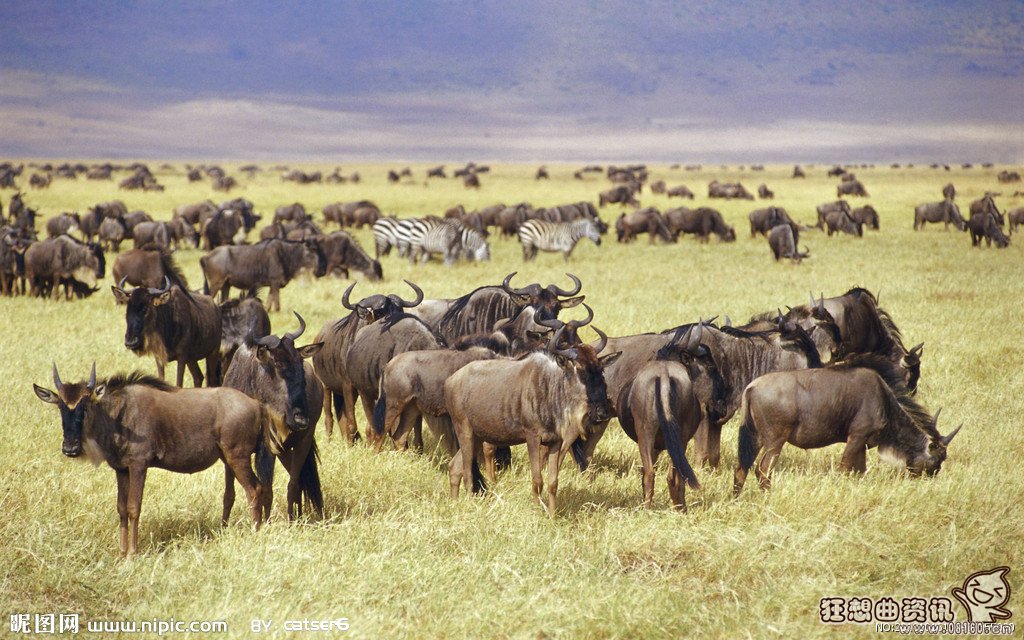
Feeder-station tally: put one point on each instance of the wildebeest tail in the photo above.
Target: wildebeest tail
(309, 480)
(748, 445)
(579, 454)
(206, 286)
(665, 399)
(265, 448)
(479, 483)
(379, 411)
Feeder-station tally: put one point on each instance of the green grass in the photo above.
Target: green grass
(398, 558)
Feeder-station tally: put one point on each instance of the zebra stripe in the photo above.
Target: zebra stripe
(541, 235)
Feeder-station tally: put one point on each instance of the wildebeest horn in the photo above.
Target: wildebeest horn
(728, 322)
(505, 284)
(302, 328)
(553, 323)
(270, 341)
(946, 439)
(56, 378)
(120, 285)
(695, 336)
(576, 324)
(563, 292)
(92, 377)
(814, 302)
(553, 343)
(917, 350)
(167, 287)
(821, 302)
(603, 342)
(344, 297)
(779, 319)
(419, 296)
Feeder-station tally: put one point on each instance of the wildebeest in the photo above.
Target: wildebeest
(151, 234)
(62, 261)
(866, 216)
(273, 370)
(798, 172)
(764, 192)
(842, 221)
(547, 400)
(294, 212)
(782, 240)
(764, 220)
(352, 214)
(271, 263)
(621, 195)
(702, 221)
(342, 252)
(112, 233)
(985, 225)
(12, 262)
(851, 188)
(662, 407)
(436, 172)
(135, 422)
(949, 192)
(986, 204)
(648, 220)
(133, 219)
(197, 213)
(539, 235)
(63, 224)
(860, 403)
(241, 319)
(944, 212)
(728, 191)
(173, 325)
(224, 228)
(147, 268)
(1015, 218)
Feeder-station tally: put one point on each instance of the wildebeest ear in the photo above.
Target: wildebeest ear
(569, 303)
(119, 294)
(310, 350)
(608, 360)
(45, 394)
(99, 390)
(162, 298)
(263, 353)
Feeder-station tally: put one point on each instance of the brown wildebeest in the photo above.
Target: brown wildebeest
(985, 225)
(764, 220)
(662, 407)
(782, 240)
(294, 212)
(702, 221)
(343, 252)
(180, 231)
(112, 233)
(840, 221)
(648, 220)
(271, 263)
(542, 174)
(764, 192)
(798, 172)
(62, 261)
(136, 422)
(866, 216)
(151, 235)
(1016, 218)
(851, 188)
(987, 204)
(172, 325)
(547, 400)
(272, 370)
(621, 195)
(944, 212)
(861, 402)
(682, 191)
(147, 268)
(197, 213)
(63, 224)
(241, 319)
(949, 192)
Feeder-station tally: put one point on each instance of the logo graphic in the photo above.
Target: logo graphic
(984, 594)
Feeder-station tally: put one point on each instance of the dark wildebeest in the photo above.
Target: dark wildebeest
(342, 252)
(985, 225)
(949, 192)
(728, 191)
(658, 187)
(294, 212)
(662, 407)
(273, 370)
(180, 231)
(62, 261)
(241, 319)
(271, 263)
(828, 207)
(765, 193)
(547, 400)
(944, 212)
(12, 262)
(841, 221)
(782, 240)
(436, 172)
(147, 268)
(764, 220)
(112, 233)
(89, 224)
(509, 219)
(987, 204)
(622, 195)
(1016, 218)
(851, 188)
(134, 219)
(151, 234)
(702, 221)
(63, 224)
(352, 214)
(861, 403)
(135, 422)
(224, 228)
(173, 325)
(648, 220)
(866, 216)
(197, 213)
(798, 172)
(471, 181)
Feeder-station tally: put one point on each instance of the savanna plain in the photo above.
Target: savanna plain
(398, 558)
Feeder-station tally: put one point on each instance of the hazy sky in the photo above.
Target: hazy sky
(746, 81)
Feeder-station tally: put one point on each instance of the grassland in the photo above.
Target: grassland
(398, 558)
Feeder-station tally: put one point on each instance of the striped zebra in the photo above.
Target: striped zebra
(393, 233)
(541, 235)
(449, 238)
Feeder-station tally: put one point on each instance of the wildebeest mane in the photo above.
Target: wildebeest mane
(890, 372)
(493, 308)
(123, 380)
(485, 340)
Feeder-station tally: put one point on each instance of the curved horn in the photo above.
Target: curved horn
(695, 336)
(56, 378)
(344, 297)
(552, 345)
(576, 324)
(949, 438)
(167, 287)
(935, 418)
(563, 292)
(92, 377)
(302, 328)
(728, 321)
(917, 350)
(505, 284)
(553, 323)
(120, 285)
(780, 319)
(270, 341)
(419, 296)
(602, 342)
(814, 303)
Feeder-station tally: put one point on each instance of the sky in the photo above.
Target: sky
(568, 81)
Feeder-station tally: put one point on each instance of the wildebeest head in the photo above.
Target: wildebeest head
(799, 348)
(687, 349)
(283, 363)
(72, 400)
(547, 300)
(584, 362)
(912, 363)
(821, 327)
(923, 448)
(140, 302)
(378, 305)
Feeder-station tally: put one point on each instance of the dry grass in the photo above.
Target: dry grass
(399, 559)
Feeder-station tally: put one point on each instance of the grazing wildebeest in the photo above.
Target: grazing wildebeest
(851, 188)
(1016, 218)
(147, 268)
(547, 400)
(841, 221)
(828, 207)
(944, 212)
(151, 234)
(866, 216)
(352, 214)
(861, 403)
(764, 220)
(509, 219)
(197, 213)
(782, 240)
(728, 191)
(112, 233)
(273, 370)
(798, 172)
(765, 193)
(949, 192)
(271, 263)
(63, 224)
(985, 225)
(294, 212)
(133, 219)
(136, 422)
(987, 204)
(343, 252)
(89, 224)
(702, 221)
(648, 220)
(173, 325)
(471, 181)
(224, 228)
(62, 261)
(621, 195)
(436, 172)
(180, 231)
(539, 235)
(662, 407)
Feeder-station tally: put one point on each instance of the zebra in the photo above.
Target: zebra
(393, 233)
(450, 238)
(555, 236)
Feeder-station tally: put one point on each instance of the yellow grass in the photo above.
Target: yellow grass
(398, 558)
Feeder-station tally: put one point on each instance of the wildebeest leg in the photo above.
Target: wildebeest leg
(455, 473)
(708, 441)
(349, 426)
(537, 453)
(771, 456)
(556, 452)
(371, 435)
(676, 489)
(854, 455)
(122, 508)
(490, 461)
(160, 370)
(180, 377)
(648, 458)
(417, 434)
(229, 494)
(136, 483)
(328, 416)
(242, 469)
(213, 370)
(197, 374)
